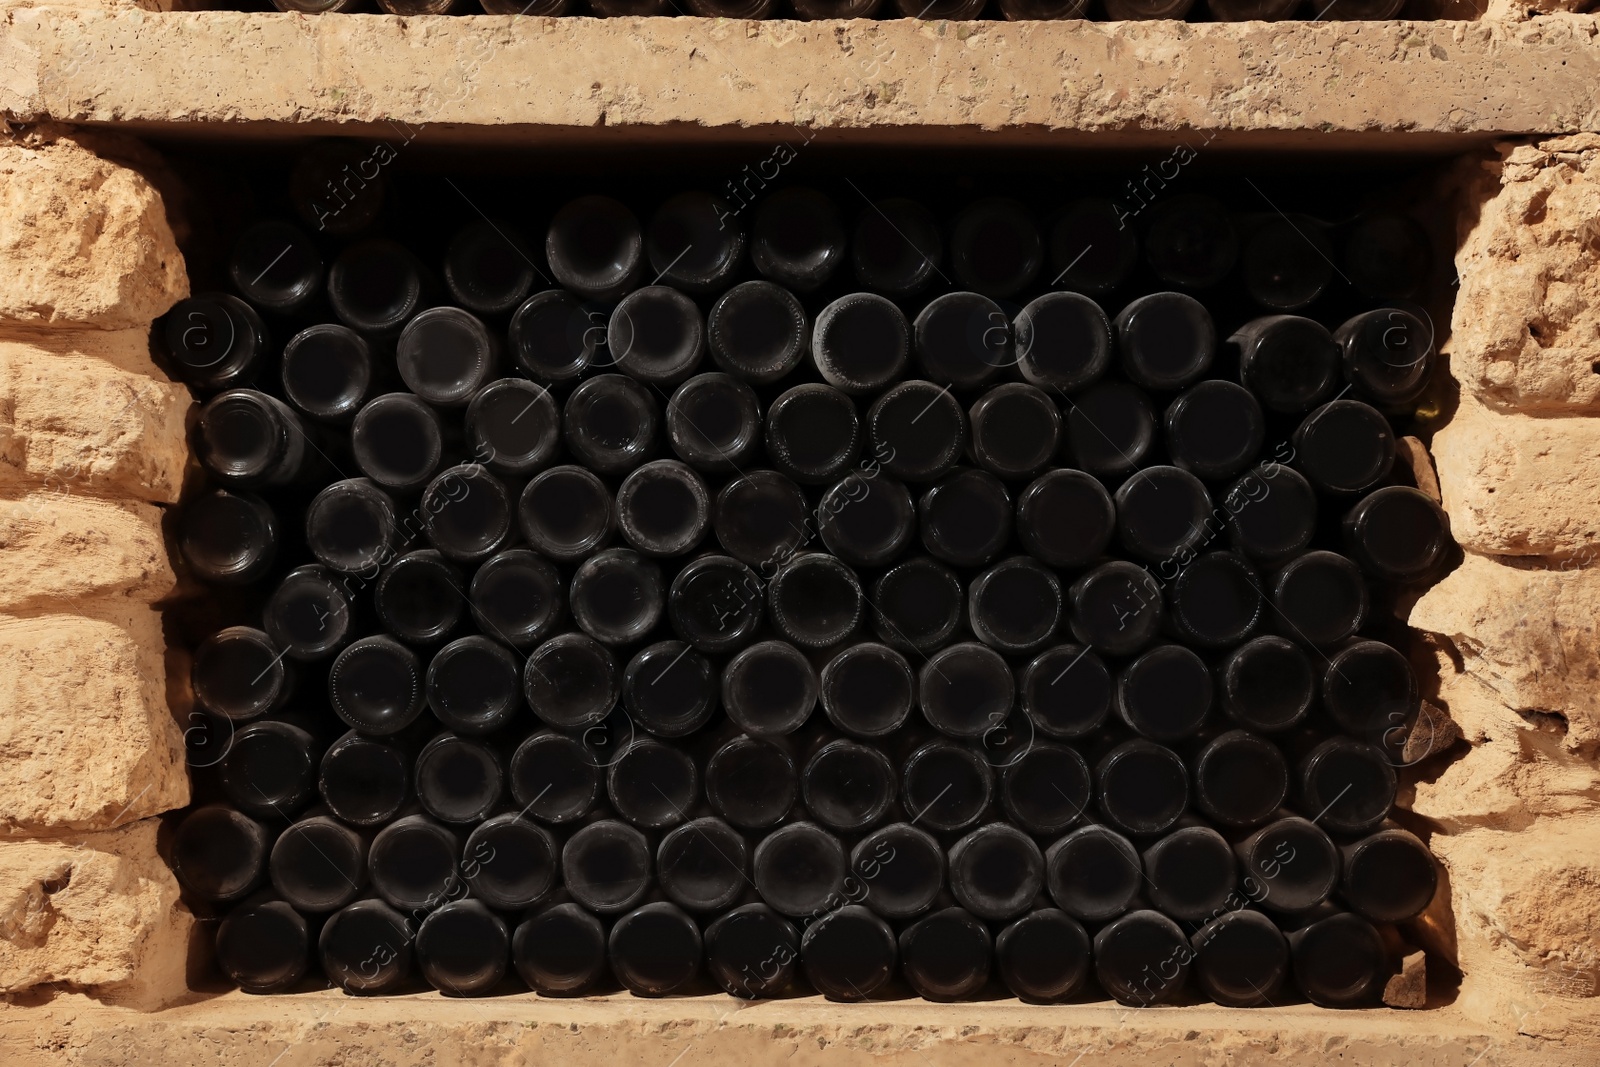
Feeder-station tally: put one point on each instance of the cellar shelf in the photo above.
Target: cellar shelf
(552, 83)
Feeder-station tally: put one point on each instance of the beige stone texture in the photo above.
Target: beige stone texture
(87, 411)
(1316, 84)
(84, 240)
(86, 738)
(99, 910)
(60, 550)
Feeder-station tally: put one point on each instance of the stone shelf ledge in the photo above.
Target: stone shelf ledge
(1415, 86)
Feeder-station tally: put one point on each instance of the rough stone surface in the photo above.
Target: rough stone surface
(900, 80)
(100, 910)
(86, 740)
(84, 240)
(87, 411)
(1409, 988)
(60, 550)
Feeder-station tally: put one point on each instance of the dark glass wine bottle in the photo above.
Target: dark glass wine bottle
(1065, 691)
(1165, 340)
(1191, 872)
(902, 869)
(1290, 363)
(769, 689)
(554, 778)
(1389, 876)
(1371, 691)
(751, 782)
(1239, 779)
(715, 604)
(1189, 240)
(1388, 355)
(250, 440)
(516, 597)
(330, 190)
(1143, 787)
(995, 248)
(327, 372)
(264, 945)
(1216, 601)
(867, 690)
(1251, 10)
(566, 513)
(669, 689)
(1290, 865)
(309, 614)
(1286, 261)
(849, 954)
(214, 341)
(1339, 961)
(318, 865)
(219, 854)
(606, 866)
(560, 950)
(860, 343)
(1093, 873)
(797, 239)
(799, 869)
(364, 781)
(1116, 608)
(694, 240)
(1043, 957)
(595, 248)
(420, 597)
(656, 335)
(1241, 959)
(351, 527)
(1091, 243)
(1015, 606)
(847, 786)
(1214, 429)
(375, 686)
(815, 601)
(714, 422)
(228, 538)
(270, 769)
(758, 332)
(1397, 534)
(917, 605)
(555, 337)
(415, 863)
(1110, 428)
(1016, 430)
(1162, 514)
(701, 865)
(617, 596)
(463, 949)
(1165, 694)
(965, 517)
(466, 512)
(513, 426)
(1266, 684)
(813, 433)
(1388, 255)
(1047, 789)
(916, 431)
(376, 287)
(946, 956)
(459, 780)
(962, 340)
(571, 681)
(866, 519)
(1065, 518)
(1347, 785)
(1272, 513)
(996, 871)
(445, 355)
(276, 265)
(945, 786)
(652, 784)
(752, 951)
(663, 508)
(1321, 598)
(397, 441)
(474, 685)
(1142, 958)
(610, 423)
(488, 269)
(239, 674)
(366, 948)
(897, 246)
(966, 690)
(510, 862)
(1345, 447)
(761, 519)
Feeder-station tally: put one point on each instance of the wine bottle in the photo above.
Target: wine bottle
(758, 332)
(466, 512)
(797, 239)
(1370, 690)
(1389, 876)
(1321, 598)
(752, 951)
(655, 950)
(1216, 601)
(694, 240)
(364, 781)
(663, 508)
(652, 784)
(995, 248)
(1191, 872)
(1388, 255)
(463, 949)
(1339, 961)
(1065, 518)
(951, 10)
(1044, 956)
(1047, 789)
(276, 265)
(415, 863)
(1290, 865)
(1344, 447)
(327, 371)
(761, 519)
(1286, 262)
(560, 950)
(656, 335)
(1272, 513)
(214, 341)
(945, 786)
(487, 269)
(617, 596)
(250, 440)
(751, 782)
(318, 865)
(714, 422)
(1214, 429)
(366, 948)
(1142, 958)
(219, 854)
(566, 513)
(866, 520)
(397, 441)
(1015, 606)
(1241, 959)
(1162, 514)
(270, 769)
(351, 526)
(473, 685)
(917, 431)
(1143, 787)
(1063, 341)
(610, 423)
(375, 686)
(996, 871)
(445, 355)
(715, 604)
(330, 191)
(1116, 608)
(1266, 684)
(799, 869)
(897, 247)
(263, 945)
(916, 605)
(1110, 428)
(701, 865)
(1165, 340)
(1239, 779)
(513, 426)
(1347, 785)
(510, 862)
(669, 689)
(1290, 363)
(1093, 873)
(813, 434)
(228, 538)
(239, 674)
(1251, 10)
(1090, 242)
(555, 337)
(962, 340)
(594, 247)
(867, 690)
(420, 597)
(1190, 240)
(606, 866)
(553, 778)
(849, 954)
(458, 780)
(837, 9)
(1016, 430)
(769, 689)
(1065, 691)
(571, 681)
(965, 517)
(815, 601)
(902, 868)
(376, 287)
(516, 597)
(1388, 355)
(966, 690)
(946, 956)
(308, 615)
(847, 786)
(1397, 534)
(1165, 694)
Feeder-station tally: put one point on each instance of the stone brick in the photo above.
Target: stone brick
(60, 550)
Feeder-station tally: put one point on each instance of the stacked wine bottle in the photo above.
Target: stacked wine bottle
(749, 600)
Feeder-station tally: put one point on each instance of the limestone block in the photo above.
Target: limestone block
(86, 739)
(1518, 485)
(59, 549)
(84, 240)
(96, 911)
(70, 416)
